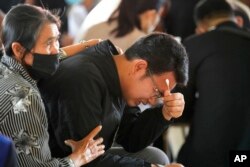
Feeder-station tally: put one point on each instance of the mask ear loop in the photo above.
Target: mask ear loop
(25, 51)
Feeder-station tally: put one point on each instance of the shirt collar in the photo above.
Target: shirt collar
(105, 62)
(18, 68)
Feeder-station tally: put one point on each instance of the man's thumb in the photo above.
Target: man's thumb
(167, 91)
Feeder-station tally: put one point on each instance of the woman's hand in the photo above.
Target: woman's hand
(87, 149)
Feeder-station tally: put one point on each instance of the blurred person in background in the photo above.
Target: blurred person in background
(246, 2)
(217, 95)
(130, 21)
(179, 20)
(242, 13)
(100, 13)
(76, 14)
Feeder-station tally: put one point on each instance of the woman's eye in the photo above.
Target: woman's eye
(49, 43)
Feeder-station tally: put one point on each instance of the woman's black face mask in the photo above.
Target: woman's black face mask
(44, 66)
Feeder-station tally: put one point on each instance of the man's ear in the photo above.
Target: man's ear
(239, 21)
(18, 51)
(139, 67)
(200, 30)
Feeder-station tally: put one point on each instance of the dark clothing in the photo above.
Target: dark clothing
(6, 5)
(217, 96)
(179, 20)
(85, 92)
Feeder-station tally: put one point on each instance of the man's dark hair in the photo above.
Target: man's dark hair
(209, 9)
(163, 54)
(23, 23)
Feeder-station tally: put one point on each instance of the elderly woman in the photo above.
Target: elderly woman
(30, 38)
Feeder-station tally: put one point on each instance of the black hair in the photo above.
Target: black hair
(162, 53)
(128, 14)
(208, 9)
(23, 23)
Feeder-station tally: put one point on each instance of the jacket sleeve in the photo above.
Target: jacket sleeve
(139, 129)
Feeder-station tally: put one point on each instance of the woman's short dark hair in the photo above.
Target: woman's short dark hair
(162, 53)
(23, 23)
(129, 12)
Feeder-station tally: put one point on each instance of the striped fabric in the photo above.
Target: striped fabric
(23, 117)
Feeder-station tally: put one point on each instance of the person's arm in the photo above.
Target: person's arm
(138, 129)
(78, 47)
(87, 149)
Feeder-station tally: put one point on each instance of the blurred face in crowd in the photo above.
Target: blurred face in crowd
(150, 19)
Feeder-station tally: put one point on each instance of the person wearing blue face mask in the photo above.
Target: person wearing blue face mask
(31, 53)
